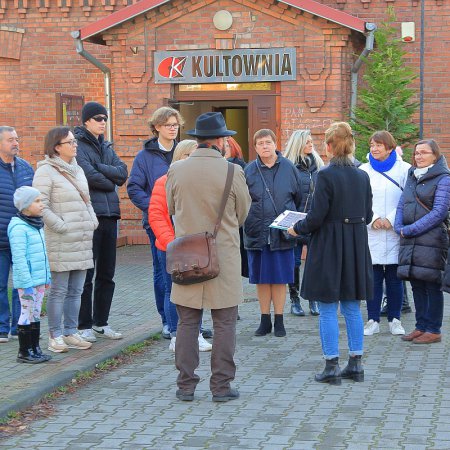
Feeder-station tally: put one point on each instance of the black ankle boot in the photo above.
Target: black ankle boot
(265, 326)
(331, 373)
(26, 354)
(35, 333)
(354, 369)
(313, 308)
(278, 326)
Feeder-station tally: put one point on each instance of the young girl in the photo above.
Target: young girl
(31, 271)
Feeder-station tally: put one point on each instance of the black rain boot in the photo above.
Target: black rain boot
(313, 308)
(265, 326)
(354, 369)
(278, 326)
(331, 374)
(294, 288)
(35, 333)
(26, 354)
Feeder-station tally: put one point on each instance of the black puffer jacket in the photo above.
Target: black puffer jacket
(308, 175)
(283, 181)
(104, 172)
(423, 250)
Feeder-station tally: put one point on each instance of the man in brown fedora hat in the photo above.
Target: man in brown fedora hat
(194, 190)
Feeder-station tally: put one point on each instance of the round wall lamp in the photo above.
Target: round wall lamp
(223, 20)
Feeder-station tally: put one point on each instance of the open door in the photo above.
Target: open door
(263, 114)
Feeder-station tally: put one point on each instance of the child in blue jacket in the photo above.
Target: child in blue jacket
(31, 270)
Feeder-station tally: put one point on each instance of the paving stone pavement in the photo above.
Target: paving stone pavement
(404, 402)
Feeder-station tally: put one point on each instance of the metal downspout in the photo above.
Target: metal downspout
(107, 79)
(370, 39)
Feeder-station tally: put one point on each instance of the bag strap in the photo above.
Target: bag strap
(267, 188)
(421, 203)
(391, 179)
(69, 178)
(226, 192)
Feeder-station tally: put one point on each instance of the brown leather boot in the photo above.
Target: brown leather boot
(413, 335)
(427, 338)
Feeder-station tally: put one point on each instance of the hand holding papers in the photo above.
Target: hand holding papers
(287, 219)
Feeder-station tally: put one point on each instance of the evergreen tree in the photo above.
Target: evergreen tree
(386, 100)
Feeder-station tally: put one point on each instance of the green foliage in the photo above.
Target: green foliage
(386, 100)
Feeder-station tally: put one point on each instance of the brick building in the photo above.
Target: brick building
(264, 63)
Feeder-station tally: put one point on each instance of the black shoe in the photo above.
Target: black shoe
(296, 308)
(406, 308)
(331, 374)
(26, 354)
(206, 333)
(184, 396)
(230, 395)
(314, 308)
(354, 369)
(35, 333)
(278, 326)
(265, 326)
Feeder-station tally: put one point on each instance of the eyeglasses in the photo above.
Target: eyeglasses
(100, 119)
(71, 142)
(422, 153)
(171, 126)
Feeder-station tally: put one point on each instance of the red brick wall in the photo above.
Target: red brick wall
(38, 60)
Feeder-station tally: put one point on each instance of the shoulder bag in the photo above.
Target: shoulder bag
(193, 258)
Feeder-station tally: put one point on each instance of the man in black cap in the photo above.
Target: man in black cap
(104, 172)
(194, 191)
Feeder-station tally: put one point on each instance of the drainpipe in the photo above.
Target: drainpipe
(107, 76)
(370, 38)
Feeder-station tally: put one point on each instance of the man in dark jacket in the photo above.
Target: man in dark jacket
(14, 173)
(104, 172)
(151, 163)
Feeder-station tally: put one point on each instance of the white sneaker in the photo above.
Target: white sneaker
(395, 327)
(87, 335)
(107, 332)
(203, 345)
(172, 343)
(76, 341)
(57, 345)
(371, 327)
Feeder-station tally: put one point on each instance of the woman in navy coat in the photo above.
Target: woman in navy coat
(338, 268)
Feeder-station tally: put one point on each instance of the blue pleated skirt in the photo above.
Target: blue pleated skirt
(271, 267)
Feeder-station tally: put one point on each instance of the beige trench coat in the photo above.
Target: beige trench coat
(194, 190)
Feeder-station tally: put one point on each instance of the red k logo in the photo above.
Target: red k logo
(172, 67)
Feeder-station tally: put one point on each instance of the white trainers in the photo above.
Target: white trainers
(107, 332)
(87, 335)
(395, 327)
(203, 345)
(76, 341)
(371, 327)
(57, 345)
(172, 343)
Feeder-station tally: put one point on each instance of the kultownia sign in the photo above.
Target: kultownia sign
(225, 66)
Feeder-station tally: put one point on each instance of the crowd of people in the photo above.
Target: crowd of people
(367, 229)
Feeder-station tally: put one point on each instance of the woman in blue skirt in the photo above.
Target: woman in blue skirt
(275, 186)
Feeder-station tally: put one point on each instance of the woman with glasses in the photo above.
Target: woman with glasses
(70, 222)
(422, 223)
(387, 172)
(300, 151)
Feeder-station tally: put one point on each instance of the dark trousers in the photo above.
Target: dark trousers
(158, 276)
(95, 311)
(429, 303)
(223, 368)
(394, 292)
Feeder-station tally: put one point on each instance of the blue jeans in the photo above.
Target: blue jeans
(170, 310)
(8, 319)
(329, 327)
(298, 255)
(394, 292)
(158, 276)
(429, 303)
